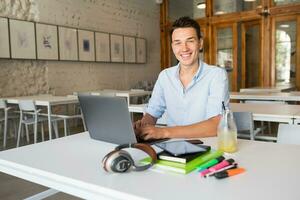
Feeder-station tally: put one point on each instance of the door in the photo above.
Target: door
(251, 54)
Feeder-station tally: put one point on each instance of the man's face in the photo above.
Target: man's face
(186, 46)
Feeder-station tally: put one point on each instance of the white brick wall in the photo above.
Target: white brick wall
(129, 17)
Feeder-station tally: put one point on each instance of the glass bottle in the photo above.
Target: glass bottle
(227, 133)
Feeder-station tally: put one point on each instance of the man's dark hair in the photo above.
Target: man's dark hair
(186, 22)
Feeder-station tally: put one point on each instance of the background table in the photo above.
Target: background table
(284, 113)
(279, 96)
(45, 100)
(119, 93)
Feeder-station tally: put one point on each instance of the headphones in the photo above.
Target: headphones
(120, 161)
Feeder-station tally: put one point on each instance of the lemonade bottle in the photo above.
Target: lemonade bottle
(227, 133)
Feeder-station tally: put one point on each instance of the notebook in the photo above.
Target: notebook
(108, 119)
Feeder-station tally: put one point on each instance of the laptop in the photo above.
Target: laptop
(108, 119)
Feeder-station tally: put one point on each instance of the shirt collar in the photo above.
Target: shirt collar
(198, 73)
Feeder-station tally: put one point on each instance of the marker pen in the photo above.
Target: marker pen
(233, 166)
(210, 163)
(230, 172)
(221, 165)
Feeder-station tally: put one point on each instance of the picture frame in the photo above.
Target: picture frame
(129, 49)
(102, 47)
(86, 45)
(141, 53)
(116, 48)
(22, 39)
(46, 42)
(4, 38)
(68, 48)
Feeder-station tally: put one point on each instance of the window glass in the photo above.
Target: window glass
(225, 51)
(192, 8)
(285, 57)
(230, 6)
(283, 2)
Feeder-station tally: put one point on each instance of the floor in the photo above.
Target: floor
(12, 188)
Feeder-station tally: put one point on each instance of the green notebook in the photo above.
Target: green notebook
(185, 168)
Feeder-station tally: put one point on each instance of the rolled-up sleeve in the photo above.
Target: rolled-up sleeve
(157, 103)
(218, 93)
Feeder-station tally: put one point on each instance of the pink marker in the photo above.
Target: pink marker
(221, 165)
(204, 172)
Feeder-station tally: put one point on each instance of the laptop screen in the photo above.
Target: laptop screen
(107, 119)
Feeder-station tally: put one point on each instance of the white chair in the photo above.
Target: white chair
(30, 115)
(267, 102)
(5, 118)
(245, 125)
(288, 134)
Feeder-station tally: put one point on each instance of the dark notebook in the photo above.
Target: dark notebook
(182, 158)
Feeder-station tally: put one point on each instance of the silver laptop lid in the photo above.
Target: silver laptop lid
(107, 119)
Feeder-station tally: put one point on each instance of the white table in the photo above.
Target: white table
(284, 113)
(119, 93)
(272, 172)
(45, 100)
(280, 96)
(268, 89)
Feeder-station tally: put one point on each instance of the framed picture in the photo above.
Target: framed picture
(116, 48)
(4, 38)
(102, 47)
(68, 49)
(86, 45)
(22, 39)
(141, 50)
(46, 42)
(129, 49)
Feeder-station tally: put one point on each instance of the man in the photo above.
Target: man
(191, 93)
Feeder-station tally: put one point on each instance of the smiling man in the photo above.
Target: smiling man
(190, 93)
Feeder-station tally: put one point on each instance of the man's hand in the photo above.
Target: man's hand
(152, 132)
(145, 121)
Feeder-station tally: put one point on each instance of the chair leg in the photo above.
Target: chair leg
(55, 128)
(35, 132)
(65, 127)
(42, 130)
(19, 133)
(83, 122)
(262, 127)
(5, 133)
(27, 133)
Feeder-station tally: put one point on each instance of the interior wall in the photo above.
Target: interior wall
(138, 18)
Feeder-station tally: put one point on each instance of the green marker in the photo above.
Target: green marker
(210, 163)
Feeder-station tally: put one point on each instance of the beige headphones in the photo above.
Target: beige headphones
(120, 161)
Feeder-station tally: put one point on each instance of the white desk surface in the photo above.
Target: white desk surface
(279, 96)
(72, 165)
(44, 100)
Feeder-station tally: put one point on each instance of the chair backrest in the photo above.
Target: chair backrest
(288, 134)
(244, 123)
(2, 104)
(27, 105)
(243, 120)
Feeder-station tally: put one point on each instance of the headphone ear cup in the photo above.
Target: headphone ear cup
(117, 161)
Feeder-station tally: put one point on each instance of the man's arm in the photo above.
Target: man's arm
(205, 128)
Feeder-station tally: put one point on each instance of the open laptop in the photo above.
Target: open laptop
(108, 119)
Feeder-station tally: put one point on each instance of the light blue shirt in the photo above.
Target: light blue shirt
(200, 100)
